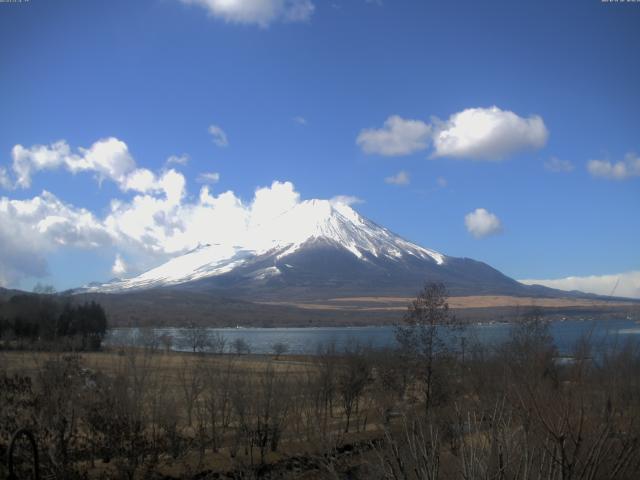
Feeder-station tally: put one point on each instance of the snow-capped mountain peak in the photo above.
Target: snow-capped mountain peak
(306, 223)
(338, 223)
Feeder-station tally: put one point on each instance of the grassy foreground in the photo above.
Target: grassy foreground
(175, 414)
(516, 411)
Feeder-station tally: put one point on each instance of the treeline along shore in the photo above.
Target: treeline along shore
(37, 321)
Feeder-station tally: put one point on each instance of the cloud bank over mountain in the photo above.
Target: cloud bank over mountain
(160, 219)
(625, 284)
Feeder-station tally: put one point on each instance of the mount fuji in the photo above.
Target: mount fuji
(320, 249)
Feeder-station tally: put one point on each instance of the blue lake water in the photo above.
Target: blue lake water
(602, 333)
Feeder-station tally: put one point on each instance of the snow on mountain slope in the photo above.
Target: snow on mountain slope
(304, 223)
(320, 219)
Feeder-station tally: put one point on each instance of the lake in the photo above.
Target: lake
(307, 340)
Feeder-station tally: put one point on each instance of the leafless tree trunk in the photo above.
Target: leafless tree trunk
(353, 377)
(218, 381)
(190, 378)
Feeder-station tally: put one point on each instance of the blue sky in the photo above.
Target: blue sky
(548, 180)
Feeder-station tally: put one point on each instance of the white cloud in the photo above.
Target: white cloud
(400, 178)
(39, 157)
(21, 255)
(108, 158)
(210, 177)
(140, 180)
(270, 202)
(442, 182)
(554, 164)
(300, 120)
(398, 136)
(622, 170)
(481, 223)
(29, 229)
(259, 12)
(119, 267)
(159, 227)
(178, 159)
(474, 133)
(5, 181)
(219, 136)
(346, 200)
(55, 221)
(156, 223)
(298, 10)
(487, 134)
(171, 183)
(621, 284)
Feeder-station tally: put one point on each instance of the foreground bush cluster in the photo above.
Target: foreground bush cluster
(512, 412)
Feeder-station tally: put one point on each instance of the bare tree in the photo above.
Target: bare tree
(217, 343)
(326, 386)
(58, 403)
(190, 378)
(241, 346)
(420, 339)
(279, 348)
(170, 425)
(148, 338)
(197, 338)
(413, 453)
(167, 342)
(118, 416)
(390, 382)
(271, 403)
(353, 377)
(218, 380)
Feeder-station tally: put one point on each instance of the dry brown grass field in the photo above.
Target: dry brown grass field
(186, 388)
(166, 364)
(476, 301)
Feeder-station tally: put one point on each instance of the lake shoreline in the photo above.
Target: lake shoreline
(307, 340)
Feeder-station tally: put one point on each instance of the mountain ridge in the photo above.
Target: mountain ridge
(319, 249)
